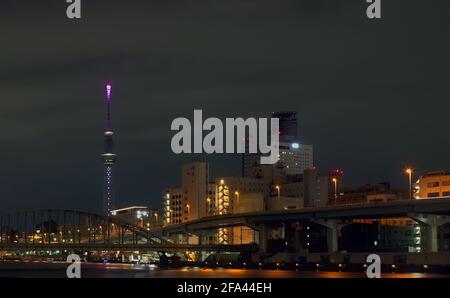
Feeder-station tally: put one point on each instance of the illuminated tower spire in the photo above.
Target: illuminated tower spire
(108, 157)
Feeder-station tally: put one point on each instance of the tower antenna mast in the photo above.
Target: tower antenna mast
(108, 156)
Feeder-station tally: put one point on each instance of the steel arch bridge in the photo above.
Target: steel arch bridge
(80, 230)
(70, 227)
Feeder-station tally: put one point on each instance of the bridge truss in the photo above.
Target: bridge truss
(70, 227)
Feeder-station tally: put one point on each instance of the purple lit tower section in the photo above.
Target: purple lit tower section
(108, 157)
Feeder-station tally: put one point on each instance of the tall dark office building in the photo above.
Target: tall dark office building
(294, 156)
(108, 157)
(288, 126)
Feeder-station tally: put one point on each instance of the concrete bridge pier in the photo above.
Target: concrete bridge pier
(293, 237)
(431, 223)
(298, 238)
(262, 238)
(333, 227)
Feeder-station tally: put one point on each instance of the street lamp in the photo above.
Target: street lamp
(335, 189)
(188, 210)
(208, 206)
(409, 172)
(277, 187)
(236, 193)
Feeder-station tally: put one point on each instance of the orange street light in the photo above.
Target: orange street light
(188, 210)
(208, 205)
(237, 194)
(277, 187)
(409, 172)
(334, 180)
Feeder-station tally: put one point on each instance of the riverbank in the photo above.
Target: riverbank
(48, 269)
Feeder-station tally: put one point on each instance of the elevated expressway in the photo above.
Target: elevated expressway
(431, 213)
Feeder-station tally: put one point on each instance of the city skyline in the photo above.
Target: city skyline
(225, 146)
(370, 122)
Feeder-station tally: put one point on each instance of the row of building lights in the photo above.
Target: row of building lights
(334, 180)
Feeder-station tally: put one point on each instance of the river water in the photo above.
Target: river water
(32, 269)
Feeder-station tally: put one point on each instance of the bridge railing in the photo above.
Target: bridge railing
(65, 226)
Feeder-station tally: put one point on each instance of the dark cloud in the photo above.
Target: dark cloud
(372, 95)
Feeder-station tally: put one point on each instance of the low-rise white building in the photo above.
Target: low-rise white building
(433, 185)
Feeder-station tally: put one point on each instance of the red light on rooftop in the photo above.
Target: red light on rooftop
(336, 171)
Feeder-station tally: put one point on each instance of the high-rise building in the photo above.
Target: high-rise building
(211, 199)
(194, 199)
(249, 162)
(172, 202)
(269, 174)
(194, 183)
(288, 129)
(229, 191)
(295, 157)
(322, 188)
(108, 158)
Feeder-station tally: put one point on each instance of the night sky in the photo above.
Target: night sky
(372, 95)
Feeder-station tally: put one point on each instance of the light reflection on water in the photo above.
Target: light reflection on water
(98, 270)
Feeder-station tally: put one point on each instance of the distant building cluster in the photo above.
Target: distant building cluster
(200, 196)
(293, 182)
(140, 216)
